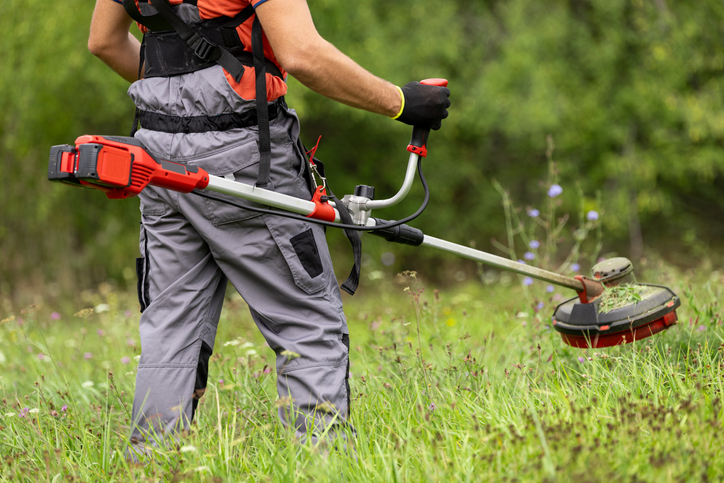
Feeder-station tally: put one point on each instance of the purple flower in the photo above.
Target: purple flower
(221, 381)
(701, 328)
(125, 360)
(533, 213)
(534, 244)
(64, 408)
(550, 288)
(529, 256)
(592, 215)
(581, 359)
(575, 267)
(55, 316)
(539, 306)
(88, 355)
(101, 332)
(554, 191)
(527, 281)
(522, 261)
(41, 356)
(432, 407)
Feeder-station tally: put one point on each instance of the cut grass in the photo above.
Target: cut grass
(620, 296)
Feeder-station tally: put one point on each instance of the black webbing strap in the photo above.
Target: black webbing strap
(201, 46)
(350, 285)
(262, 114)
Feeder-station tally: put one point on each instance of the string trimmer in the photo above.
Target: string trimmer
(121, 167)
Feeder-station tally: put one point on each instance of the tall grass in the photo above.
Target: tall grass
(465, 384)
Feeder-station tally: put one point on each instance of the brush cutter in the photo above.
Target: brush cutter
(121, 167)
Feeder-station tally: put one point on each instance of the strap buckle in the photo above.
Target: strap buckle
(204, 49)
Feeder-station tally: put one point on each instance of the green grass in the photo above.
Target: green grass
(485, 391)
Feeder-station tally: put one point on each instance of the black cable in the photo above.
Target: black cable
(426, 199)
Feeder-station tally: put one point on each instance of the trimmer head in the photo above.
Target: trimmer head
(582, 325)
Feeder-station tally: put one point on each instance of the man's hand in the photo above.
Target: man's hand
(423, 106)
(111, 41)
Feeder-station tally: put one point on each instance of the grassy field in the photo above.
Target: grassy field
(465, 384)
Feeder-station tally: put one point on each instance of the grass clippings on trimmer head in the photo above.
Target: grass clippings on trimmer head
(620, 296)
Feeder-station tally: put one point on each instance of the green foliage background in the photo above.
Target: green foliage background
(631, 91)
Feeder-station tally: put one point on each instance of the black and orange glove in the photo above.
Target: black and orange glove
(423, 105)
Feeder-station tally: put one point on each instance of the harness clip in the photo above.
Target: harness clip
(204, 49)
(322, 209)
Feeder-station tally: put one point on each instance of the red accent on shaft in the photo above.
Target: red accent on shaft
(624, 337)
(422, 151)
(582, 295)
(123, 170)
(322, 209)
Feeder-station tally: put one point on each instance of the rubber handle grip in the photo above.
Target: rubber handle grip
(418, 142)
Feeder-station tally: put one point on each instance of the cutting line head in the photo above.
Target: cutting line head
(592, 325)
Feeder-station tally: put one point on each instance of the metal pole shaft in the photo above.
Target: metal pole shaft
(502, 263)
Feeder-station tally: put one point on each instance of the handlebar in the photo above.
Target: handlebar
(418, 143)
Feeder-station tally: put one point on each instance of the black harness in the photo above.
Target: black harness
(173, 47)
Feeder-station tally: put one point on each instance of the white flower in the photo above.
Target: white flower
(100, 308)
(34, 411)
(188, 449)
(137, 358)
(250, 352)
(202, 468)
(232, 342)
(10, 415)
(246, 345)
(88, 384)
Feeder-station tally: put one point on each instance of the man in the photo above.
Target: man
(191, 246)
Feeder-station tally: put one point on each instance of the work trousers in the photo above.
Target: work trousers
(191, 246)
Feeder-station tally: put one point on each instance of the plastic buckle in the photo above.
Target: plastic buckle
(204, 49)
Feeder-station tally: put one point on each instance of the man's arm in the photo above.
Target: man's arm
(318, 64)
(110, 40)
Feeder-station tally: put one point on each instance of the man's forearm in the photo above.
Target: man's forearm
(110, 40)
(318, 64)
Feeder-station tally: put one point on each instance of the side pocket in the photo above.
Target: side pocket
(306, 249)
(141, 286)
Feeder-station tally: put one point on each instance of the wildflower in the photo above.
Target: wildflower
(55, 316)
(54, 413)
(522, 261)
(128, 313)
(41, 356)
(432, 407)
(527, 281)
(533, 213)
(267, 370)
(136, 358)
(539, 306)
(250, 352)
(125, 360)
(88, 355)
(101, 332)
(100, 308)
(202, 469)
(550, 288)
(701, 328)
(64, 408)
(529, 256)
(575, 267)
(592, 215)
(581, 359)
(221, 381)
(554, 191)
(131, 342)
(34, 411)
(24, 412)
(188, 449)
(534, 244)
(87, 384)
